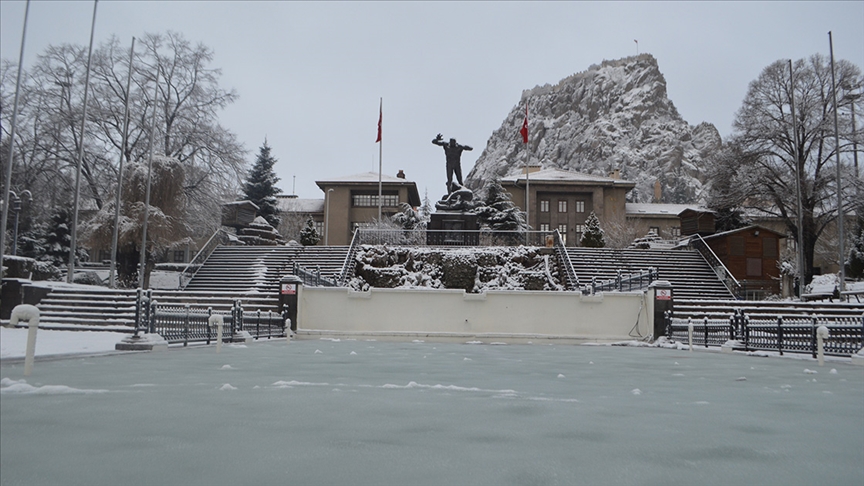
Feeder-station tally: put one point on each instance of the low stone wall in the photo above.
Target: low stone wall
(603, 317)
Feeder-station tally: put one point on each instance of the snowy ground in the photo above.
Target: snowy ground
(369, 412)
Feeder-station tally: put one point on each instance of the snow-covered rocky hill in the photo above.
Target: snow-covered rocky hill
(612, 116)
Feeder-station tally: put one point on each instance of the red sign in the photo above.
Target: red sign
(289, 289)
(664, 294)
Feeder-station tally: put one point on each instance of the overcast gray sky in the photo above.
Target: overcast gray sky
(310, 74)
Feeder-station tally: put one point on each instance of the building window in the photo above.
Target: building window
(580, 206)
(179, 256)
(544, 226)
(562, 205)
(736, 245)
(675, 231)
(319, 227)
(769, 247)
(580, 229)
(562, 228)
(371, 200)
(544, 207)
(754, 267)
(654, 229)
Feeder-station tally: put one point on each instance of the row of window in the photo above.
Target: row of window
(562, 206)
(371, 200)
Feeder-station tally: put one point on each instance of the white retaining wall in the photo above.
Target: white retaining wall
(609, 316)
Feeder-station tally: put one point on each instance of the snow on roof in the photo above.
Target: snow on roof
(566, 176)
(365, 177)
(656, 209)
(296, 205)
(745, 228)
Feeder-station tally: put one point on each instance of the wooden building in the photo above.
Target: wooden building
(751, 255)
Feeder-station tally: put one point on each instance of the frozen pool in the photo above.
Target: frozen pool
(369, 412)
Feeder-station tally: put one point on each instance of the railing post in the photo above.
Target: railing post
(138, 303)
(258, 324)
(780, 335)
(209, 315)
(746, 325)
(151, 314)
(815, 324)
(593, 285)
(186, 327)
(732, 325)
(705, 326)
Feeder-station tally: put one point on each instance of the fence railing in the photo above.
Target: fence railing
(312, 277)
(623, 282)
(427, 237)
(729, 280)
(220, 237)
(348, 265)
(792, 334)
(571, 280)
(187, 324)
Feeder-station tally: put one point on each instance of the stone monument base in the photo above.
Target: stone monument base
(453, 228)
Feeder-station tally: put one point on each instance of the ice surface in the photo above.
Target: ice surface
(387, 416)
(13, 342)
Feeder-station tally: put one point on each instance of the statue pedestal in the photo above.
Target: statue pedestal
(452, 228)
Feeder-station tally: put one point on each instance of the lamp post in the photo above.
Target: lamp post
(16, 207)
(327, 219)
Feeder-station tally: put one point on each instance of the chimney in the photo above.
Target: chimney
(615, 174)
(401, 174)
(658, 191)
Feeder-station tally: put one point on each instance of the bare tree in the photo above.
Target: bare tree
(766, 142)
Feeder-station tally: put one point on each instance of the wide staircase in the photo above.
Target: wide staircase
(690, 275)
(723, 309)
(250, 274)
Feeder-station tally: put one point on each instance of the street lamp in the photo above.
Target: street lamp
(16, 207)
(327, 219)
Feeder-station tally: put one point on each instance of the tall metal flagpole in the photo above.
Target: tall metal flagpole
(840, 233)
(798, 175)
(120, 170)
(72, 241)
(8, 175)
(380, 152)
(142, 260)
(527, 176)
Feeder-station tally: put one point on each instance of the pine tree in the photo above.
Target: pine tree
(499, 211)
(856, 254)
(260, 186)
(593, 237)
(309, 235)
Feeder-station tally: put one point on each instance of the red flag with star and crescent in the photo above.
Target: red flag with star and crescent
(380, 116)
(524, 130)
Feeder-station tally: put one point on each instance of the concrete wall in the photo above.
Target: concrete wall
(601, 317)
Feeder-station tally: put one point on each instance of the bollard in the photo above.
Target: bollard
(217, 319)
(822, 333)
(287, 331)
(31, 314)
(690, 333)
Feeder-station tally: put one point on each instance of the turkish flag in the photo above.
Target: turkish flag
(380, 116)
(524, 130)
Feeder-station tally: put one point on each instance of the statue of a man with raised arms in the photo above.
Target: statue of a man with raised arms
(453, 151)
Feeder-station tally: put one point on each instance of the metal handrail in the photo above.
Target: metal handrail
(348, 266)
(564, 261)
(642, 278)
(312, 278)
(714, 261)
(203, 254)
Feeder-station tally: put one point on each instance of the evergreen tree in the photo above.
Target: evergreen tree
(593, 237)
(856, 254)
(309, 235)
(499, 212)
(260, 186)
(426, 209)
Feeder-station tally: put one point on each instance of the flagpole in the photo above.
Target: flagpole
(7, 186)
(380, 153)
(801, 272)
(527, 176)
(76, 196)
(840, 232)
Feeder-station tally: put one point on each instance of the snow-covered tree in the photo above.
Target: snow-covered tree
(309, 235)
(593, 237)
(426, 208)
(856, 253)
(770, 158)
(407, 218)
(499, 212)
(165, 224)
(260, 186)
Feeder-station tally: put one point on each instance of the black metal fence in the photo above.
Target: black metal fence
(187, 324)
(792, 334)
(623, 283)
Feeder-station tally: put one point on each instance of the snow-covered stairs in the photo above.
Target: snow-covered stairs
(690, 275)
(88, 308)
(259, 268)
(723, 309)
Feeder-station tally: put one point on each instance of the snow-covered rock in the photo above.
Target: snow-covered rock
(613, 116)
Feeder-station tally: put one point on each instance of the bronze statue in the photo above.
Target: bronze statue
(453, 151)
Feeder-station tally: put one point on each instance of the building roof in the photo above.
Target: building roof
(559, 176)
(371, 179)
(745, 228)
(290, 204)
(658, 210)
